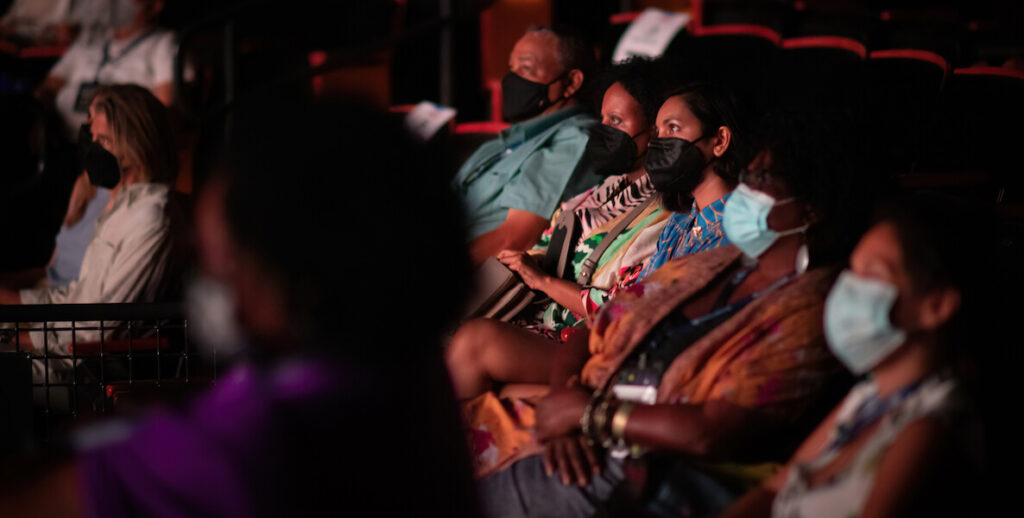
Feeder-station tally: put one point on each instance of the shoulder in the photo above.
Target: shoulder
(146, 206)
(575, 127)
(164, 37)
(713, 260)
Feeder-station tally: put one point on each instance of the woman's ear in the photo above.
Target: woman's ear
(723, 138)
(938, 307)
(575, 78)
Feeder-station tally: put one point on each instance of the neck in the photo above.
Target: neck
(558, 105)
(710, 190)
(636, 173)
(780, 259)
(131, 176)
(914, 360)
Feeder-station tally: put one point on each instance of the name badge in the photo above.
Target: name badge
(85, 94)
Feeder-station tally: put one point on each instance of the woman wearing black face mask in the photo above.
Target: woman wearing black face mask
(616, 149)
(694, 164)
(134, 255)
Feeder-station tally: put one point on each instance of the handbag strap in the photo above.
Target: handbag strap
(563, 243)
(590, 263)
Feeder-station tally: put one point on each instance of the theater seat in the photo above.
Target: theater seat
(823, 72)
(978, 129)
(741, 56)
(903, 88)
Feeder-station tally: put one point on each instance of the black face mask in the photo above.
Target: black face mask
(101, 165)
(675, 165)
(84, 141)
(522, 98)
(609, 151)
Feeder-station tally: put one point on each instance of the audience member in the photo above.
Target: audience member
(694, 156)
(715, 357)
(133, 51)
(902, 443)
(511, 185)
(135, 252)
(316, 415)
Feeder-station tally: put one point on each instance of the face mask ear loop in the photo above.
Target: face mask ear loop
(640, 156)
(797, 230)
(553, 81)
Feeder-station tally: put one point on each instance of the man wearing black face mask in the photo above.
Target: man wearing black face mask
(512, 185)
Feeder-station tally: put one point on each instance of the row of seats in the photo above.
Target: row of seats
(963, 34)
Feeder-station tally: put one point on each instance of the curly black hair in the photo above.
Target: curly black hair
(643, 80)
(816, 156)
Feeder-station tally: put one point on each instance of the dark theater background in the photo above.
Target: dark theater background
(933, 93)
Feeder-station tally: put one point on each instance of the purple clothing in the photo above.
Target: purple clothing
(259, 443)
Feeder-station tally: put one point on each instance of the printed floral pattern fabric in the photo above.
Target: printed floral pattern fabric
(601, 204)
(598, 211)
(689, 233)
(684, 234)
(844, 493)
(771, 355)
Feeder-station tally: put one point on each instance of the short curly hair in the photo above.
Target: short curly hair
(814, 154)
(642, 79)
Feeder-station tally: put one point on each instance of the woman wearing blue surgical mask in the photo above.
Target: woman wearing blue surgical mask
(897, 444)
(712, 363)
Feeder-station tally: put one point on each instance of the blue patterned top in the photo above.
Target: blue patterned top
(689, 233)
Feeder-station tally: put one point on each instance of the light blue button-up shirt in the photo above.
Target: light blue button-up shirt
(530, 167)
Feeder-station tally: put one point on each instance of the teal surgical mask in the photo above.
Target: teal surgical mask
(857, 323)
(746, 220)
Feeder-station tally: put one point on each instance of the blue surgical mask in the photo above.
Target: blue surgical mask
(857, 323)
(746, 220)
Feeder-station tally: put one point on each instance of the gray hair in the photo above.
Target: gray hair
(572, 52)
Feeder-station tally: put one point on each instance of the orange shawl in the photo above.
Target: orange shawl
(770, 355)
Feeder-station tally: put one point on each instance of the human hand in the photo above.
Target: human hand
(572, 458)
(558, 413)
(526, 266)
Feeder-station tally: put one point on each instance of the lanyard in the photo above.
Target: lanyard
(106, 60)
(720, 303)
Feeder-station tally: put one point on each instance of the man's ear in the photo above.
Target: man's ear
(938, 307)
(575, 82)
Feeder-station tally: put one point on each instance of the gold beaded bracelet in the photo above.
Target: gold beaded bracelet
(620, 419)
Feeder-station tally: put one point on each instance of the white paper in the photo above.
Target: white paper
(427, 118)
(650, 34)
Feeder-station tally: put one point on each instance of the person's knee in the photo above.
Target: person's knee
(468, 348)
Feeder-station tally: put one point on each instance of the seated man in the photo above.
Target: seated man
(320, 418)
(512, 185)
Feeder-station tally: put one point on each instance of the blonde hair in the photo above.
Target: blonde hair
(141, 130)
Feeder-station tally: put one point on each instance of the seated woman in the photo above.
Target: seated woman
(134, 254)
(695, 155)
(715, 356)
(618, 144)
(896, 445)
